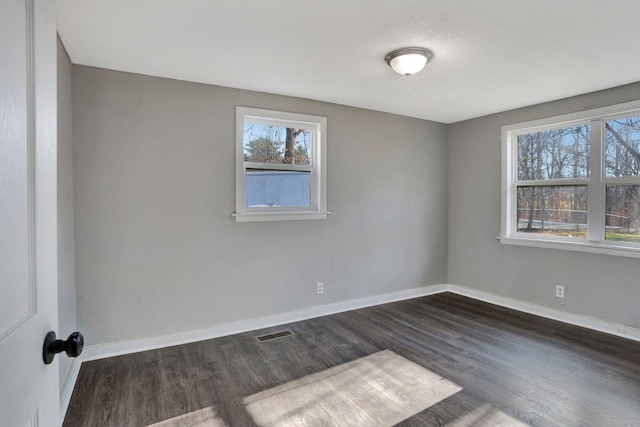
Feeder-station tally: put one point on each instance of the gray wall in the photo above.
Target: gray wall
(599, 286)
(157, 249)
(66, 253)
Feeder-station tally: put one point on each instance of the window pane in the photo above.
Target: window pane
(553, 210)
(623, 147)
(278, 188)
(276, 144)
(552, 154)
(622, 206)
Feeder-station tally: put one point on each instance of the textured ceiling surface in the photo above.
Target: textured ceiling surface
(489, 56)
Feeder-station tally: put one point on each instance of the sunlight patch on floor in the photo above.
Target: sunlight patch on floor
(487, 416)
(381, 389)
(205, 417)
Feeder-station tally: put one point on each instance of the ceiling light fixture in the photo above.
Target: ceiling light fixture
(408, 60)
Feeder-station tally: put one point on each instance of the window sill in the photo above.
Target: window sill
(590, 247)
(278, 216)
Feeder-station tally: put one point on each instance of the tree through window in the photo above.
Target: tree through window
(280, 166)
(575, 181)
(545, 159)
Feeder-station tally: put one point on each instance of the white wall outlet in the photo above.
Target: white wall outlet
(560, 291)
(320, 288)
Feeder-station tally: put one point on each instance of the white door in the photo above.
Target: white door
(29, 394)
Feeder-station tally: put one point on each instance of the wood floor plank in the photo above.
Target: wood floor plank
(514, 369)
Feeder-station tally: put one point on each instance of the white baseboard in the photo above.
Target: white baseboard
(124, 347)
(101, 351)
(550, 313)
(133, 346)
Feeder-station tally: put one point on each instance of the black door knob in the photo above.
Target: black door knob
(72, 346)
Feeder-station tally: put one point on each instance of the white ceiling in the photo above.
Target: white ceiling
(489, 56)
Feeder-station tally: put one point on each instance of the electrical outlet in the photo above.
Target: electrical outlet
(560, 291)
(320, 288)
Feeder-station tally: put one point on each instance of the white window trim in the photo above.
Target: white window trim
(594, 243)
(318, 166)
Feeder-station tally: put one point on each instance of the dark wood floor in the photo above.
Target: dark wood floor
(538, 371)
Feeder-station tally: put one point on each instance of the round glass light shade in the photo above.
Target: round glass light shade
(408, 61)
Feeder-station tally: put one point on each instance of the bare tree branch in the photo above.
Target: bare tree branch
(624, 143)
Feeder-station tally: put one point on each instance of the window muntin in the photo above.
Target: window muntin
(280, 165)
(578, 188)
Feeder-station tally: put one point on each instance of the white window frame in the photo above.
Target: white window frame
(317, 168)
(596, 183)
